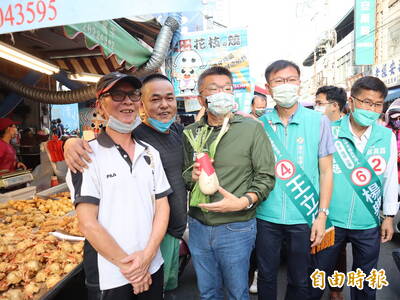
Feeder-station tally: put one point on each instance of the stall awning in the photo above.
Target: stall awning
(393, 94)
(93, 64)
(113, 40)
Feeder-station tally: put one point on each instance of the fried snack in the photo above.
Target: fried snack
(52, 281)
(13, 294)
(69, 267)
(14, 277)
(31, 289)
(70, 226)
(31, 258)
(54, 207)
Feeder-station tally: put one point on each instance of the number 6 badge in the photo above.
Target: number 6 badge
(361, 176)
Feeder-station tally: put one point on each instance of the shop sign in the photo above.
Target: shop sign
(24, 15)
(364, 29)
(388, 72)
(198, 51)
(192, 104)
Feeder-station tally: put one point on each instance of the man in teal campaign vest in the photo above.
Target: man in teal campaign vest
(365, 172)
(331, 100)
(297, 208)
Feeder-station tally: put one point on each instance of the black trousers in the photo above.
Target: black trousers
(396, 257)
(365, 248)
(268, 247)
(125, 292)
(341, 265)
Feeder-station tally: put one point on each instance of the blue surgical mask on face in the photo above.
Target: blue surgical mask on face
(365, 117)
(161, 126)
(260, 112)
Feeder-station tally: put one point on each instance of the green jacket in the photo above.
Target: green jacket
(244, 162)
(301, 137)
(346, 208)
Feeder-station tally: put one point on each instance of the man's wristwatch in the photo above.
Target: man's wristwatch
(250, 201)
(324, 210)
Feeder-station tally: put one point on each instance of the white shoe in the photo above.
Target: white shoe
(253, 287)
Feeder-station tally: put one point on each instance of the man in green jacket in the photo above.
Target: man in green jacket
(223, 232)
(297, 208)
(365, 173)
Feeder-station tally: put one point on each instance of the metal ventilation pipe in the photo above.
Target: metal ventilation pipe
(157, 58)
(49, 97)
(160, 49)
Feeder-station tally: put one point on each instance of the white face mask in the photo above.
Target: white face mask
(320, 108)
(285, 95)
(221, 103)
(119, 126)
(122, 127)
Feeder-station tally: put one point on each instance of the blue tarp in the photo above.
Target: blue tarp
(393, 94)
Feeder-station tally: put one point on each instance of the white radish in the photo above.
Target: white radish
(208, 180)
(208, 183)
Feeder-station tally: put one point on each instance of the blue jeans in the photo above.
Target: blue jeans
(220, 256)
(268, 248)
(365, 246)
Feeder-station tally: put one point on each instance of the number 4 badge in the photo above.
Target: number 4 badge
(285, 169)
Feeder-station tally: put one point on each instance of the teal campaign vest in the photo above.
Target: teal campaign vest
(346, 209)
(301, 139)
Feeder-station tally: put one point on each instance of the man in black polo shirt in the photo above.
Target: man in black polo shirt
(159, 130)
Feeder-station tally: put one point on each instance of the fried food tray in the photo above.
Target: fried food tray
(59, 291)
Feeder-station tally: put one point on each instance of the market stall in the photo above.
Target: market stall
(41, 247)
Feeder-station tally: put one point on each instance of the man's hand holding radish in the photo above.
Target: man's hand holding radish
(229, 203)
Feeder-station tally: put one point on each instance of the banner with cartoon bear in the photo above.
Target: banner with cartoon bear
(198, 51)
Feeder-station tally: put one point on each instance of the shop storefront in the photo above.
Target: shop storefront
(389, 73)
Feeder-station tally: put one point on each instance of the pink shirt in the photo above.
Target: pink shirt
(8, 156)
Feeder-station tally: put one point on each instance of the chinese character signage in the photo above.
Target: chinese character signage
(376, 279)
(388, 72)
(198, 51)
(364, 28)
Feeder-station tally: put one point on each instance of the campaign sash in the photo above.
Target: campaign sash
(298, 187)
(359, 174)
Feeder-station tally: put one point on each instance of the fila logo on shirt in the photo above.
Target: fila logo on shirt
(111, 175)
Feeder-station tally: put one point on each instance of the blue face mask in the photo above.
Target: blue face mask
(365, 117)
(161, 126)
(260, 112)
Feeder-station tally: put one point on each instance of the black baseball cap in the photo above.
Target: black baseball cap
(109, 80)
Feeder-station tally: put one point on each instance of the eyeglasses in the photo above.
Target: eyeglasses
(280, 80)
(369, 103)
(322, 103)
(119, 96)
(213, 88)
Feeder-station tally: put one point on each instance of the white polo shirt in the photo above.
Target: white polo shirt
(124, 192)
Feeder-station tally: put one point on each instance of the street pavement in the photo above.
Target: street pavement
(187, 289)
